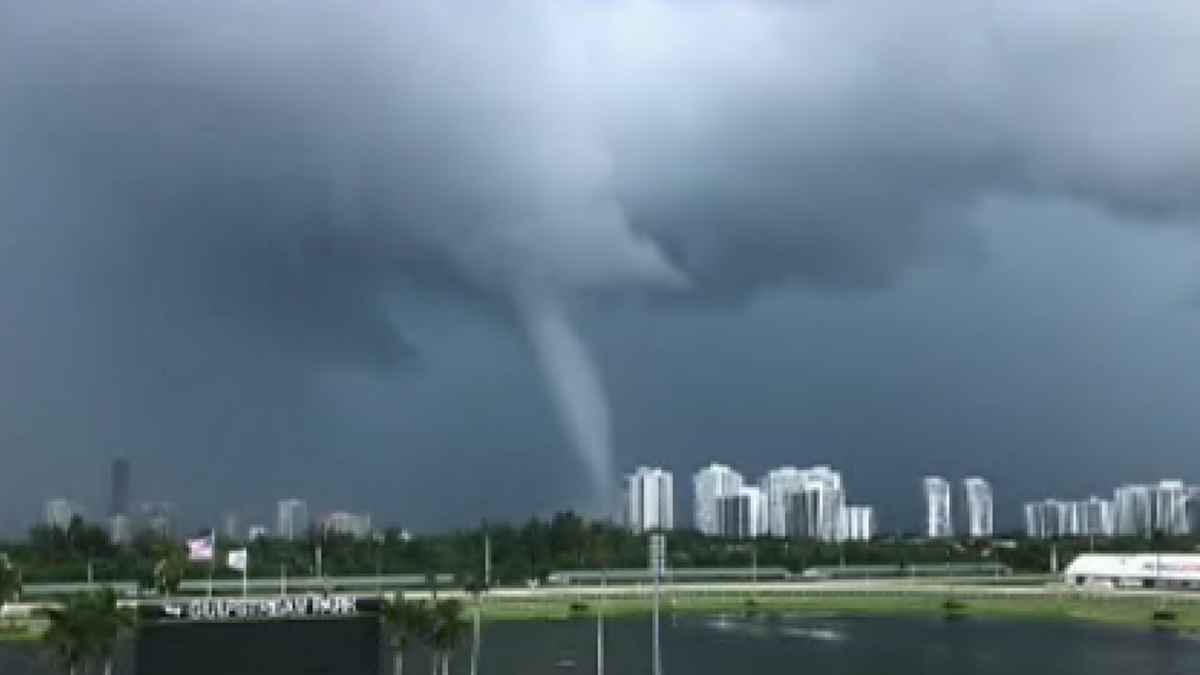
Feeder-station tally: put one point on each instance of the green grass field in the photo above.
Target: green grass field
(1127, 610)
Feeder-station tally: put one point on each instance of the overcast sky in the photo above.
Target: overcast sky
(436, 260)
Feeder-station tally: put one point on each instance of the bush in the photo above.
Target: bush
(578, 607)
(1163, 615)
(952, 605)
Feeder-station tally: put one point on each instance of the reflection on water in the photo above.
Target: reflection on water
(774, 626)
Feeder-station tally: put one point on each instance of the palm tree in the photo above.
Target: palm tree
(444, 632)
(404, 620)
(10, 582)
(67, 638)
(110, 622)
(85, 630)
(168, 573)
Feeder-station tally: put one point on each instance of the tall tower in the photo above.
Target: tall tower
(293, 519)
(711, 483)
(977, 497)
(650, 500)
(937, 508)
(120, 498)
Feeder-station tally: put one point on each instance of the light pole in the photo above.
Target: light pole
(657, 558)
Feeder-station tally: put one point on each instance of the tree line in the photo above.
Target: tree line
(519, 553)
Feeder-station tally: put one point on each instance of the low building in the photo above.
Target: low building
(1140, 570)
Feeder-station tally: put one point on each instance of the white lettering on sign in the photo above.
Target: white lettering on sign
(241, 608)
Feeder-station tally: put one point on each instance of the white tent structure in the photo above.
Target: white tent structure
(1141, 570)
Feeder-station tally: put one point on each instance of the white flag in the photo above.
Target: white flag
(237, 559)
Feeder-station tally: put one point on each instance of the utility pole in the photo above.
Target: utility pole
(657, 559)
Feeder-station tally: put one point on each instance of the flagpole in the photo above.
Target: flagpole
(246, 578)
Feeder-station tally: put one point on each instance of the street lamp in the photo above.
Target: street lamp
(658, 551)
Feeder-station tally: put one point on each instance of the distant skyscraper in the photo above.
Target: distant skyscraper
(1170, 508)
(650, 500)
(860, 523)
(1035, 524)
(231, 527)
(817, 509)
(1193, 511)
(742, 515)
(937, 508)
(1133, 509)
(119, 497)
(977, 502)
(120, 529)
(1098, 517)
(293, 519)
(157, 518)
(710, 484)
(349, 524)
(777, 486)
(60, 513)
(806, 503)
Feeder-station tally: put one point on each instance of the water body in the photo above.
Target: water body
(720, 645)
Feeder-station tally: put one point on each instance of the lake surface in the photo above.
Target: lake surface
(715, 645)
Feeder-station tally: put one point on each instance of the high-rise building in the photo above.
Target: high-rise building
(293, 519)
(937, 508)
(860, 523)
(777, 486)
(711, 483)
(1133, 510)
(1035, 520)
(977, 500)
(157, 518)
(120, 529)
(1170, 508)
(1193, 511)
(813, 503)
(231, 527)
(1098, 517)
(60, 513)
(356, 525)
(650, 500)
(742, 515)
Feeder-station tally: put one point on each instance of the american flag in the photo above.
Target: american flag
(201, 549)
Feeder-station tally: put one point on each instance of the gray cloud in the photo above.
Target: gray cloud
(297, 184)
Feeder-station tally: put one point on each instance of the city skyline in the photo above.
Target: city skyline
(964, 517)
(703, 252)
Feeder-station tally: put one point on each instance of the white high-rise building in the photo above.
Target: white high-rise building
(1035, 520)
(650, 500)
(1133, 510)
(859, 523)
(1098, 517)
(937, 508)
(293, 519)
(356, 525)
(777, 485)
(977, 499)
(743, 514)
(711, 483)
(1193, 510)
(1170, 508)
(817, 509)
(60, 513)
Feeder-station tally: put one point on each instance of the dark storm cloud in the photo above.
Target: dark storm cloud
(279, 188)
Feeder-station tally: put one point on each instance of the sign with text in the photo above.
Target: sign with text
(288, 607)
